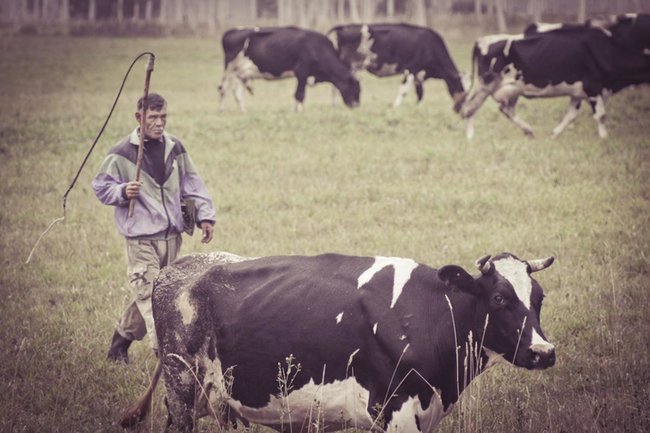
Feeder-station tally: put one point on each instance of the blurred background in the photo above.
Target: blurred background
(207, 17)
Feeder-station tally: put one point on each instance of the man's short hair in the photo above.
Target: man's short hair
(154, 102)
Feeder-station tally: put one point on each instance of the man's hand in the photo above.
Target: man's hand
(132, 189)
(208, 230)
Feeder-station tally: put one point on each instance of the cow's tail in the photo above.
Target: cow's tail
(333, 35)
(135, 413)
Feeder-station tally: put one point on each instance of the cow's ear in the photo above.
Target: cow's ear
(459, 278)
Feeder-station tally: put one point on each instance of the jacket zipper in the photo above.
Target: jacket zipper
(169, 222)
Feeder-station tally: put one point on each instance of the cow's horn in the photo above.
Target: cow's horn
(483, 264)
(539, 264)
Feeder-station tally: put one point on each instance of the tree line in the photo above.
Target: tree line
(212, 16)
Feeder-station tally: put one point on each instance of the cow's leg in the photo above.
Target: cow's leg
(419, 88)
(238, 91)
(508, 108)
(300, 92)
(180, 383)
(470, 127)
(571, 114)
(407, 82)
(223, 89)
(598, 106)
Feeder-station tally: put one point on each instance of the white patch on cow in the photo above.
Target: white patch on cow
(599, 115)
(374, 328)
(484, 42)
(339, 317)
(540, 345)
(365, 46)
(403, 269)
(215, 385)
(575, 90)
(184, 307)
(516, 272)
(403, 419)
(344, 400)
(404, 88)
(547, 27)
(244, 68)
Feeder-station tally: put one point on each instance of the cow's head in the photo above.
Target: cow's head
(350, 90)
(512, 300)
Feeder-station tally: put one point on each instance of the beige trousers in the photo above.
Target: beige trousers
(145, 258)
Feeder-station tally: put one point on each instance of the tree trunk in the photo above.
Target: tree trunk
(535, 9)
(119, 11)
(136, 11)
(64, 12)
(284, 10)
(148, 10)
(419, 12)
(302, 14)
(340, 11)
(178, 11)
(211, 12)
(501, 16)
(321, 13)
(253, 11)
(354, 11)
(92, 10)
(582, 11)
(223, 13)
(162, 12)
(390, 10)
(478, 10)
(368, 10)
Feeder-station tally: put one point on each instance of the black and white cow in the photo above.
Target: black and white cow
(579, 61)
(390, 49)
(281, 52)
(366, 342)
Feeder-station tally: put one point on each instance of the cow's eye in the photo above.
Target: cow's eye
(499, 299)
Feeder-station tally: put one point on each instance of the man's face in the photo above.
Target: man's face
(154, 123)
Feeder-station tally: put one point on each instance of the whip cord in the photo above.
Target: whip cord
(92, 147)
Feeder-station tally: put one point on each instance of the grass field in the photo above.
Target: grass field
(373, 181)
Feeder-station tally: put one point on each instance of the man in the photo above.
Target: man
(153, 232)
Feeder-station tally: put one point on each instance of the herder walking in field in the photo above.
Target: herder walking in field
(153, 231)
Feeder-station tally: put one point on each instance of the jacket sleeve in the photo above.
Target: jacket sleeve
(109, 183)
(192, 186)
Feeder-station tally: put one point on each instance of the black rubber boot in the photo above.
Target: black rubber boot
(119, 348)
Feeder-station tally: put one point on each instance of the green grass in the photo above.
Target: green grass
(373, 181)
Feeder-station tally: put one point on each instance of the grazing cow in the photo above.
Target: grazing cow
(579, 61)
(338, 341)
(280, 52)
(390, 49)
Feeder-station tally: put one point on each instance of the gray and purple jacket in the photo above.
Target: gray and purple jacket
(157, 210)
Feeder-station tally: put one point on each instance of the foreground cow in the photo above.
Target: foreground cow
(383, 343)
(280, 52)
(390, 49)
(578, 61)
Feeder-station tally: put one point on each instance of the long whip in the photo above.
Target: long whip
(143, 122)
(92, 147)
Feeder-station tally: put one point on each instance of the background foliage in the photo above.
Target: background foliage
(373, 181)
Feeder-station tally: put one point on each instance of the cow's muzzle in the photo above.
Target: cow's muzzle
(542, 359)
